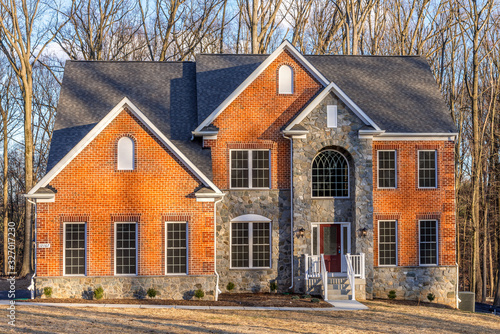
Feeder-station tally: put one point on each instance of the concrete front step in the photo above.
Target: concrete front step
(339, 297)
(336, 280)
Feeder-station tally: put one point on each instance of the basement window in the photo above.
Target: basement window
(285, 80)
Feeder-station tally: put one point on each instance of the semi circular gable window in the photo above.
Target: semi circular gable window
(285, 80)
(330, 175)
(125, 154)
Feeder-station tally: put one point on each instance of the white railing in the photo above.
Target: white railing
(351, 275)
(324, 278)
(313, 266)
(358, 264)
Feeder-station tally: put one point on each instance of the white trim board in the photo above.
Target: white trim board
(101, 126)
(285, 45)
(343, 97)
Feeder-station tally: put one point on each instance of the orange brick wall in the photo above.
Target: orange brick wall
(160, 189)
(407, 204)
(255, 120)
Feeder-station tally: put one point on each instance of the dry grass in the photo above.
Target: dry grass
(382, 317)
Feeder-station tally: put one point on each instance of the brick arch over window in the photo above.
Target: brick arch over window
(330, 174)
(126, 153)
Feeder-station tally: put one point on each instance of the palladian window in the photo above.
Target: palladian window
(285, 80)
(330, 175)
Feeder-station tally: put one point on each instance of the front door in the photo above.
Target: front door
(330, 245)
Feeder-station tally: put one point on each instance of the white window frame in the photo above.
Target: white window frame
(397, 246)
(395, 169)
(250, 245)
(250, 168)
(435, 168)
(437, 243)
(64, 249)
(331, 116)
(281, 90)
(187, 248)
(118, 153)
(348, 178)
(136, 248)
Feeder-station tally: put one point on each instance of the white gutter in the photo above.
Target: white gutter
(291, 208)
(217, 291)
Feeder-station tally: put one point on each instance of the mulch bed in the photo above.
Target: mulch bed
(225, 299)
(412, 303)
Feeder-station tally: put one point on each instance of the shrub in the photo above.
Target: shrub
(286, 293)
(230, 286)
(199, 294)
(99, 293)
(152, 292)
(431, 297)
(140, 293)
(295, 297)
(47, 291)
(273, 286)
(305, 296)
(315, 300)
(392, 294)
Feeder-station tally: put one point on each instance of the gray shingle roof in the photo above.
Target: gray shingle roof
(398, 93)
(164, 91)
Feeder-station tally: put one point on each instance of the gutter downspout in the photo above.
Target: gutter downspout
(291, 209)
(32, 285)
(217, 291)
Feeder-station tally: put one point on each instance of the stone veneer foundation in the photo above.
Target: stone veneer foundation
(169, 287)
(415, 283)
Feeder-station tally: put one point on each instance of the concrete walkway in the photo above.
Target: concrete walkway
(341, 305)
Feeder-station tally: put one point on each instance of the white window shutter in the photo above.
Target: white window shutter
(125, 154)
(331, 116)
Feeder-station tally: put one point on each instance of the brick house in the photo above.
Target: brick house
(327, 174)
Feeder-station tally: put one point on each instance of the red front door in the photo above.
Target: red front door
(330, 246)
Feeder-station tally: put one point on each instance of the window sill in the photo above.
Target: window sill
(427, 188)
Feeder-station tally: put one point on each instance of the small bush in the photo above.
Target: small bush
(152, 292)
(431, 297)
(230, 286)
(273, 286)
(99, 293)
(140, 293)
(47, 291)
(295, 297)
(199, 294)
(305, 296)
(392, 294)
(315, 300)
(286, 293)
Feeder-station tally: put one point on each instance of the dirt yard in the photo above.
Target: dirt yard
(382, 317)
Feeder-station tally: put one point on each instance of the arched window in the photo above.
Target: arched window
(125, 154)
(285, 80)
(330, 175)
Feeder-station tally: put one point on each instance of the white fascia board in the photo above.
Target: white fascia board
(343, 97)
(101, 126)
(285, 45)
(451, 136)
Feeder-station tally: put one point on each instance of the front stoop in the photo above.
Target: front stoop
(339, 288)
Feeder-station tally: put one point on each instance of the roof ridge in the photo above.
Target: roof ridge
(131, 61)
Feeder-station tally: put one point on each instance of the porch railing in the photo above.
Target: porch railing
(350, 275)
(324, 278)
(313, 266)
(358, 264)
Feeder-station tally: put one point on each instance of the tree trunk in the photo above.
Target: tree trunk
(28, 161)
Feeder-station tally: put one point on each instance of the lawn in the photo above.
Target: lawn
(382, 317)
